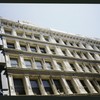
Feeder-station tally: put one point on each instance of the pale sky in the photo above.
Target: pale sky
(83, 19)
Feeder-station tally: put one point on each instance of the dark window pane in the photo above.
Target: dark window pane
(57, 40)
(46, 38)
(58, 85)
(37, 37)
(42, 50)
(48, 65)
(8, 32)
(59, 66)
(35, 87)
(19, 87)
(23, 48)
(53, 51)
(14, 62)
(33, 49)
(28, 63)
(71, 86)
(11, 45)
(28, 36)
(39, 64)
(73, 67)
(84, 85)
(47, 86)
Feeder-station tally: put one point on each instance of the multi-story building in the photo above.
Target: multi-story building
(40, 61)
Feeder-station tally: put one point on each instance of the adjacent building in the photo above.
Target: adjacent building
(40, 61)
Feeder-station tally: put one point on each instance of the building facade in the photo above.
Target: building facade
(40, 61)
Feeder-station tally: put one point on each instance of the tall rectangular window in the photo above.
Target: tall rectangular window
(48, 65)
(8, 32)
(59, 65)
(19, 86)
(33, 49)
(37, 36)
(53, 51)
(28, 63)
(46, 38)
(42, 50)
(71, 86)
(23, 47)
(39, 64)
(11, 45)
(58, 86)
(73, 67)
(14, 62)
(35, 87)
(47, 86)
(85, 86)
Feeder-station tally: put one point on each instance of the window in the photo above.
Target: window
(8, 32)
(65, 42)
(98, 81)
(82, 67)
(58, 86)
(19, 34)
(85, 55)
(64, 52)
(53, 51)
(42, 50)
(11, 45)
(79, 54)
(35, 87)
(48, 65)
(93, 84)
(28, 36)
(95, 69)
(57, 40)
(71, 43)
(37, 36)
(46, 38)
(47, 86)
(33, 49)
(71, 86)
(19, 86)
(28, 63)
(39, 64)
(14, 62)
(77, 44)
(88, 68)
(23, 47)
(92, 54)
(73, 67)
(84, 85)
(59, 66)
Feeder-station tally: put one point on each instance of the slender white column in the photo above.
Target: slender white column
(58, 51)
(81, 45)
(28, 87)
(14, 32)
(41, 37)
(11, 84)
(48, 49)
(55, 64)
(61, 41)
(2, 30)
(88, 46)
(68, 53)
(22, 61)
(8, 64)
(4, 43)
(52, 39)
(65, 86)
(90, 56)
(78, 86)
(17, 45)
(90, 87)
(42, 89)
(78, 68)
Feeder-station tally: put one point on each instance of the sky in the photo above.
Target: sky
(83, 19)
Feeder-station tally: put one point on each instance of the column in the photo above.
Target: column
(88, 46)
(89, 56)
(28, 48)
(83, 56)
(14, 32)
(55, 64)
(96, 48)
(48, 50)
(61, 41)
(67, 66)
(17, 45)
(76, 55)
(98, 67)
(65, 86)
(78, 67)
(68, 53)
(33, 64)
(54, 87)
(28, 87)
(42, 89)
(97, 85)
(4, 42)
(2, 30)
(58, 51)
(41, 37)
(97, 57)
(90, 87)
(52, 40)
(38, 49)
(81, 45)
(22, 61)
(78, 86)
(8, 64)
(11, 84)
